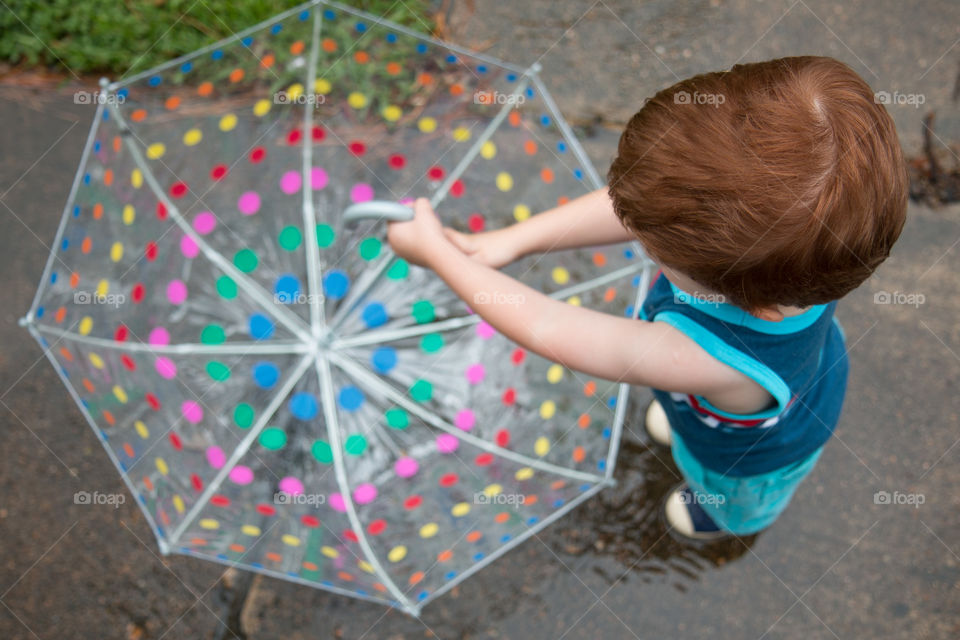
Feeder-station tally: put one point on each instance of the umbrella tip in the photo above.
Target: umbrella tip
(24, 321)
(104, 82)
(535, 68)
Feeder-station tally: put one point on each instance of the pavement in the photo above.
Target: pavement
(842, 562)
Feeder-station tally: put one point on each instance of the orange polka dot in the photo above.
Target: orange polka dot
(117, 142)
(546, 174)
(379, 586)
(172, 103)
(97, 211)
(578, 454)
(501, 517)
(362, 57)
(198, 542)
(416, 577)
(237, 548)
(583, 421)
(531, 499)
(558, 484)
(140, 114)
(87, 244)
(108, 177)
(329, 44)
(297, 47)
(109, 418)
(514, 118)
(563, 200)
(393, 68)
(273, 557)
(149, 487)
(590, 388)
(444, 555)
(127, 449)
(205, 89)
(456, 89)
(66, 354)
(346, 577)
(267, 61)
(236, 75)
(599, 259)
(424, 79)
(609, 294)
(309, 566)
(530, 147)
(74, 280)
(473, 536)
(86, 382)
(60, 314)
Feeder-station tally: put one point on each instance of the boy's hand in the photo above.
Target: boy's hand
(492, 248)
(418, 239)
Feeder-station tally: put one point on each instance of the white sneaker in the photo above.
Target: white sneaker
(687, 517)
(656, 423)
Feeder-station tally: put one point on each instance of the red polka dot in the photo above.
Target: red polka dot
(436, 173)
(457, 188)
(348, 534)
(310, 521)
(151, 251)
(448, 479)
(152, 401)
(128, 362)
(138, 292)
(377, 527)
(476, 222)
(483, 459)
(318, 133)
(196, 482)
(502, 438)
(218, 172)
(175, 442)
(294, 136)
(161, 211)
(120, 335)
(266, 509)
(357, 148)
(257, 154)
(509, 396)
(178, 189)
(397, 161)
(412, 502)
(220, 501)
(517, 356)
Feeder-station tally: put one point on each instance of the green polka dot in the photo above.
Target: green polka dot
(243, 415)
(397, 418)
(399, 270)
(322, 452)
(355, 445)
(421, 391)
(432, 342)
(212, 334)
(226, 287)
(423, 311)
(218, 371)
(273, 438)
(325, 235)
(245, 260)
(370, 248)
(290, 238)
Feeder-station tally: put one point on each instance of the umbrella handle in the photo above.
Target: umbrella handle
(380, 209)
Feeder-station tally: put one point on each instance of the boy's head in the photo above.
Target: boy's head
(775, 183)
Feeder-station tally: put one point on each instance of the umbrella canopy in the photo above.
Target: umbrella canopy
(278, 390)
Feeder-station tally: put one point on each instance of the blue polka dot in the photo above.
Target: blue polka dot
(106, 115)
(450, 575)
(277, 28)
(375, 315)
(612, 401)
(86, 178)
(584, 487)
(562, 146)
(304, 15)
(76, 212)
(532, 520)
(287, 289)
(391, 38)
(303, 406)
(247, 41)
(186, 67)
(335, 284)
(53, 277)
(265, 374)
(96, 146)
(530, 92)
(64, 245)
(557, 503)
(361, 592)
(329, 15)
(451, 58)
(123, 92)
(384, 359)
(421, 48)
(628, 254)
(505, 537)
(636, 281)
(511, 77)
(606, 433)
(154, 81)
(601, 464)
(628, 312)
(361, 27)
(261, 327)
(39, 313)
(478, 556)
(481, 68)
(350, 398)
(422, 595)
(578, 174)
(216, 55)
(545, 120)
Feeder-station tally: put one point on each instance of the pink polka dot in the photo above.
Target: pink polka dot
(216, 457)
(406, 467)
(364, 493)
(291, 182)
(465, 419)
(249, 203)
(204, 222)
(188, 247)
(176, 292)
(409, 201)
(336, 502)
(241, 475)
(165, 367)
(159, 336)
(361, 192)
(447, 443)
(192, 412)
(291, 485)
(485, 331)
(318, 178)
(476, 373)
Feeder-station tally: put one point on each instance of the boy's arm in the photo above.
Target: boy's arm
(599, 344)
(586, 221)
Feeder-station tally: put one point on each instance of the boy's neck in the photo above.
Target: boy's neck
(690, 287)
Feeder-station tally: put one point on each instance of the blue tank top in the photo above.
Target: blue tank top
(801, 361)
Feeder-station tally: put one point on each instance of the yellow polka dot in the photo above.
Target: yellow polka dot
(156, 150)
(178, 504)
(523, 474)
(397, 554)
(261, 107)
(461, 134)
(357, 100)
(541, 446)
(192, 137)
(209, 523)
(521, 212)
(129, 214)
(504, 181)
(429, 530)
(330, 552)
(95, 360)
(294, 91)
(392, 113)
(85, 326)
(460, 509)
(574, 300)
(103, 288)
(228, 122)
(290, 541)
(162, 466)
(250, 530)
(560, 275)
(322, 86)
(116, 251)
(554, 374)
(427, 125)
(365, 566)
(547, 409)
(488, 150)
(136, 178)
(120, 394)
(492, 489)
(142, 430)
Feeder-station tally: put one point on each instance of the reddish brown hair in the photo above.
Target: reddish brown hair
(780, 182)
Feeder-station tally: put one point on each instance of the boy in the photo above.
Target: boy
(762, 208)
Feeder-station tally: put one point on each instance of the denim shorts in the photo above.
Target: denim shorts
(741, 505)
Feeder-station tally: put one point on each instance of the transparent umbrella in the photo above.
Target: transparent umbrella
(277, 389)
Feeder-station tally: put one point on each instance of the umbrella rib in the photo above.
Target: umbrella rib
(309, 214)
(251, 288)
(436, 421)
(333, 435)
(242, 448)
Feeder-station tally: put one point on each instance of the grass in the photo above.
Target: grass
(120, 36)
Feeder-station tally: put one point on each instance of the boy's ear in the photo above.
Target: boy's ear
(771, 314)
